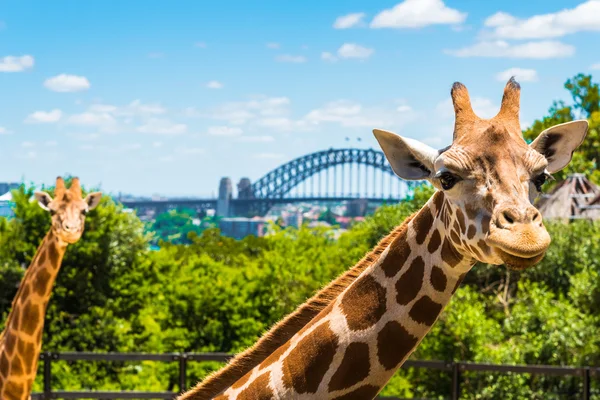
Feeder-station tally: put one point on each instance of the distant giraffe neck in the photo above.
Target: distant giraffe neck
(21, 341)
(354, 346)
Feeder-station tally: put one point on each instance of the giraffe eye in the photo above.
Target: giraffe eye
(448, 180)
(540, 180)
(84, 211)
(52, 212)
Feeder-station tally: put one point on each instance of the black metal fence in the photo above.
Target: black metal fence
(453, 368)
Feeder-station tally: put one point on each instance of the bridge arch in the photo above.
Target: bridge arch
(277, 183)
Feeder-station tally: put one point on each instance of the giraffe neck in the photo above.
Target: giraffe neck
(354, 346)
(21, 341)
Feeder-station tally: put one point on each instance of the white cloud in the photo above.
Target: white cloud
(91, 119)
(51, 143)
(201, 45)
(162, 127)
(417, 14)
(134, 109)
(156, 55)
(520, 74)
(67, 83)
(269, 156)
(4, 131)
(224, 131)
(157, 144)
(214, 85)
(501, 49)
(256, 139)
(288, 58)
(238, 113)
(41, 117)
(273, 45)
(352, 50)
(16, 64)
(483, 107)
(327, 56)
(27, 144)
(351, 115)
(584, 17)
(348, 21)
(130, 146)
(595, 66)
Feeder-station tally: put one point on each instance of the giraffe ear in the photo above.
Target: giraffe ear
(409, 158)
(43, 200)
(558, 143)
(93, 199)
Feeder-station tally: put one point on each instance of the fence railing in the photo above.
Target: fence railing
(453, 368)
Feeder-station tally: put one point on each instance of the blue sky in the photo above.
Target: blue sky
(168, 97)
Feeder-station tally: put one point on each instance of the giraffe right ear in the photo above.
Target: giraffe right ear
(409, 158)
(43, 199)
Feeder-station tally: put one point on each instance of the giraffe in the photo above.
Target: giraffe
(349, 339)
(21, 341)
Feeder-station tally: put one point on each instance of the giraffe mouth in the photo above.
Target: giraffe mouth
(519, 263)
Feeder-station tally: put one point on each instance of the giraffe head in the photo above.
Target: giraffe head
(490, 177)
(68, 209)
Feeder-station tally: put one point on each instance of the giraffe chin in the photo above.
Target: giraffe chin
(517, 263)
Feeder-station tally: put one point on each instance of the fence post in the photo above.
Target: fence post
(182, 372)
(455, 380)
(586, 383)
(47, 356)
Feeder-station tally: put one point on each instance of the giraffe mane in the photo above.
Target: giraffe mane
(285, 329)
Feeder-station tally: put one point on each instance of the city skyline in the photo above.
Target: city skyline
(167, 100)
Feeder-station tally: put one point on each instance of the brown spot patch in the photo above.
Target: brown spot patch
(454, 237)
(222, 397)
(53, 254)
(4, 363)
(42, 257)
(449, 254)
(485, 224)
(9, 343)
(306, 365)
(274, 357)
(438, 279)
(409, 284)
(394, 343)
(31, 318)
(484, 247)
(425, 311)
(354, 368)
(29, 358)
(471, 212)
(366, 392)
(242, 381)
(13, 390)
(434, 241)
(438, 200)
(363, 303)
(258, 390)
(422, 224)
(16, 366)
(42, 280)
(397, 255)
(471, 231)
(461, 220)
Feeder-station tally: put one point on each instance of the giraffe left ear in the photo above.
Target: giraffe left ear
(93, 199)
(558, 143)
(409, 158)
(43, 199)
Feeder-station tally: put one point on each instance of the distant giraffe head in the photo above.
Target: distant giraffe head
(68, 209)
(490, 177)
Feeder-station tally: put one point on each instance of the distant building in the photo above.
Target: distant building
(292, 218)
(8, 186)
(6, 205)
(239, 228)
(224, 200)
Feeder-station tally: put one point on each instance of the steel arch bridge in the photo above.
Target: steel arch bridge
(339, 174)
(280, 181)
